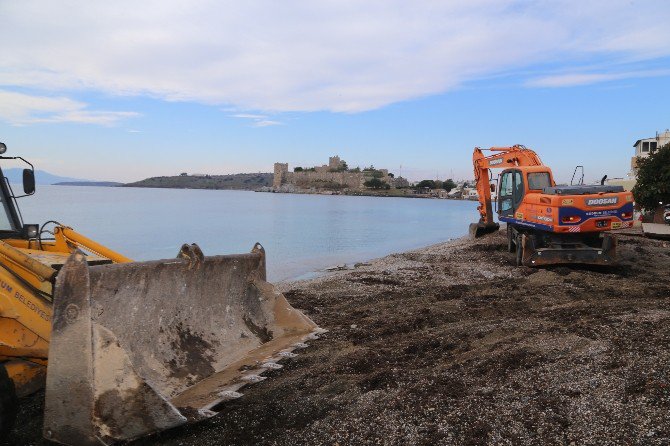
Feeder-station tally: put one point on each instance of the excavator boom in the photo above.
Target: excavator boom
(501, 158)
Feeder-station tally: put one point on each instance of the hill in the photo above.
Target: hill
(15, 175)
(238, 181)
(89, 183)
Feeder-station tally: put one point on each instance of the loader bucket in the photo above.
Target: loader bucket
(141, 347)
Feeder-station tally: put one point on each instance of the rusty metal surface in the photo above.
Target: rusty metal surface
(133, 343)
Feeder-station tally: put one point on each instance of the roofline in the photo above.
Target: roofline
(653, 138)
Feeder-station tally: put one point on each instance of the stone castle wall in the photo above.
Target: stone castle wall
(351, 180)
(323, 177)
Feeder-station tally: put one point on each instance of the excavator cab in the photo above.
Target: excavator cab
(132, 347)
(515, 183)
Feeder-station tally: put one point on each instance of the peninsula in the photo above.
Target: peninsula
(239, 181)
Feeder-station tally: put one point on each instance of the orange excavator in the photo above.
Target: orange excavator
(546, 223)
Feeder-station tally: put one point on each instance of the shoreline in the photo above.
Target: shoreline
(362, 265)
(306, 192)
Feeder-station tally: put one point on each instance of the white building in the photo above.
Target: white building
(647, 146)
(643, 148)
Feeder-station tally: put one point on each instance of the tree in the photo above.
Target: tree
(298, 169)
(391, 175)
(374, 183)
(448, 185)
(426, 183)
(341, 168)
(653, 179)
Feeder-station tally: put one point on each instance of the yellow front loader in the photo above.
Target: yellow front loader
(128, 348)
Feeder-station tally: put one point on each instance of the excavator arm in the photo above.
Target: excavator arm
(501, 158)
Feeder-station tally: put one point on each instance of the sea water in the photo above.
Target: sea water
(300, 233)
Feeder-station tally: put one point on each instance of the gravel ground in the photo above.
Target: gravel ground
(452, 344)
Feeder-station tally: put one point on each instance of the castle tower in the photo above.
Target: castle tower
(281, 169)
(334, 162)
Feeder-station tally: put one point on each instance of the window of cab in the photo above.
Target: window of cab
(538, 180)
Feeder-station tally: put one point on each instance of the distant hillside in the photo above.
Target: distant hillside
(89, 183)
(15, 175)
(238, 181)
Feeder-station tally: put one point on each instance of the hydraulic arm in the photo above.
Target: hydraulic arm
(502, 157)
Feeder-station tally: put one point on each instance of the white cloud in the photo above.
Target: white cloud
(21, 109)
(258, 120)
(578, 79)
(248, 116)
(302, 55)
(266, 123)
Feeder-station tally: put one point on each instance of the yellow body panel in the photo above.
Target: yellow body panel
(27, 273)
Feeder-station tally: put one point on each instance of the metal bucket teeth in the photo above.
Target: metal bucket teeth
(141, 347)
(253, 378)
(272, 366)
(227, 395)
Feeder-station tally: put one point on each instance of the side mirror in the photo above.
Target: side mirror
(28, 181)
(493, 187)
(3, 148)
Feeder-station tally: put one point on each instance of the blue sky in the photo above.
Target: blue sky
(121, 91)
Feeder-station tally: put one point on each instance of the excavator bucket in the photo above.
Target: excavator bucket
(141, 347)
(480, 229)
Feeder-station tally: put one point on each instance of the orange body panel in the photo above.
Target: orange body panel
(549, 209)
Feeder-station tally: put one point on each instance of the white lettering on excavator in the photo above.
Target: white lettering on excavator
(602, 201)
(495, 162)
(31, 305)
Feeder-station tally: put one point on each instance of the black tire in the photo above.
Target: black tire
(9, 403)
(510, 239)
(519, 250)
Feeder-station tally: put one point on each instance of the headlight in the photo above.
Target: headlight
(30, 231)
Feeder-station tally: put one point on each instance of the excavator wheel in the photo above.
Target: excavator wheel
(9, 403)
(519, 249)
(510, 239)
